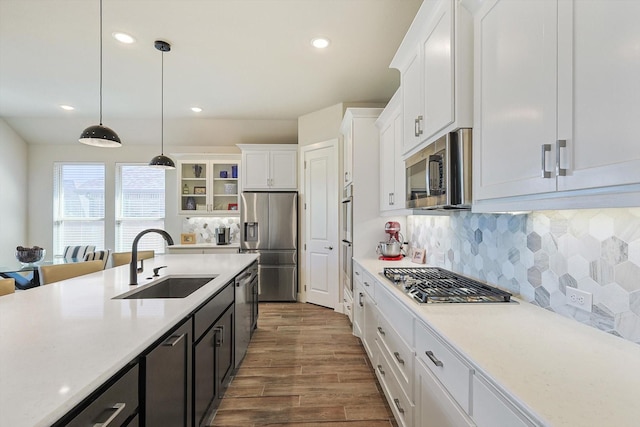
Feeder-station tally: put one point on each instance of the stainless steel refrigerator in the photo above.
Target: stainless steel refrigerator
(269, 227)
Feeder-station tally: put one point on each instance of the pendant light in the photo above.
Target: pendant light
(162, 161)
(99, 135)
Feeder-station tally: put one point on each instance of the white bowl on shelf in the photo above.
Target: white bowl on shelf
(230, 188)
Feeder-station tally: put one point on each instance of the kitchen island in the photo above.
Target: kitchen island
(551, 370)
(60, 342)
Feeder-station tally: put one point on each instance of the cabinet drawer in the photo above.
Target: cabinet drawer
(452, 372)
(434, 406)
(118, 403)
(397, 352)
(391, 308)
(491, 409)
(368, 284)
(400, 403)
(208, 313)
(358, 271)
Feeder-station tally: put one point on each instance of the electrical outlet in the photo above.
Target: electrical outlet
(581, 299)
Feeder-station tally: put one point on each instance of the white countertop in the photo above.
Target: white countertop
(564, 372)
(61, 341)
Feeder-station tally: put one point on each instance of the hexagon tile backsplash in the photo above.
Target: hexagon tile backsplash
(537, 255)
(204, 228)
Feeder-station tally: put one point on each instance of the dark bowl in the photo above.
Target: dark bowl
(29, 256)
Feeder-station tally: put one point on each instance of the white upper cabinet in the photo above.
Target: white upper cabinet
(436, 65)
(556, 97)
(269, 167)
(347, 156)
(392, 171)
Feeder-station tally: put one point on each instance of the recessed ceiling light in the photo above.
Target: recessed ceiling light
(320, 42)
(124, 38)
(196, 109)
(67, 107)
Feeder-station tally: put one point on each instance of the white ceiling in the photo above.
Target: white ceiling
(237, 59)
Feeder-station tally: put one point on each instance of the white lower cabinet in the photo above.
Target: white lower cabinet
(450, 370)
(426, 382)
(434, 405)
(491, 409)
(401, 404)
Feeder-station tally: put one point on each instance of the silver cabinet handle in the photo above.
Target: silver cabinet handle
(220, 340)
(545, 148)
(367, 284)
(357, 274)
(397, 403)
(172, 340)
(398, 358)
(380, 369)
(381, 330)
(561, 143)
(329, 247)
(416, 127)
(116, 408)
(420, 118)
(434, 359)
(360, 295)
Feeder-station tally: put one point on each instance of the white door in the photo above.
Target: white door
(321, 225)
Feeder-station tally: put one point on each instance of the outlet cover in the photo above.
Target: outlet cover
(578, 298)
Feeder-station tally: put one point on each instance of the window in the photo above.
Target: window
(78, 205)
(139, 205)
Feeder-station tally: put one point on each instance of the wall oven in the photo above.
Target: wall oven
(346, 250)
(439, 175)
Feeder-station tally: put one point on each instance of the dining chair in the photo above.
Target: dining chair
(7, 286)
(101, 255)
(77, 253)
(58, 272)
(122, 258)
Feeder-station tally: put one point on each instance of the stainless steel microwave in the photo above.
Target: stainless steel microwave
(439, 175)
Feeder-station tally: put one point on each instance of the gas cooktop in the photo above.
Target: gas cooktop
(434, 285)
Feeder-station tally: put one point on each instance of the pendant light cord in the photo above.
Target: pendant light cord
(100, 62)
(162, 105)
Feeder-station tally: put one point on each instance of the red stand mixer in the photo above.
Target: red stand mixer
(391, 250)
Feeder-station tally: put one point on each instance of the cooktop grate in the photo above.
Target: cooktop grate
(435, 285)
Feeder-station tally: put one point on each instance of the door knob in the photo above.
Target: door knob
(329, 247)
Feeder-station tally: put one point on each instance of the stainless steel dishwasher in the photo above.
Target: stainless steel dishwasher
(246, 304)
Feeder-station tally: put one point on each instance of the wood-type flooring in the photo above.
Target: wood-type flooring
(304, 368)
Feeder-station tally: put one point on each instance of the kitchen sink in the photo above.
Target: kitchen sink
(171, 287)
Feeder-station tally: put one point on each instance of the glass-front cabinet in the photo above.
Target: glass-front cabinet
(208, 187)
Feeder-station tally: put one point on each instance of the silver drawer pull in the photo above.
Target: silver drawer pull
(116, 408)
(172, 341)
(434, 359)
(381, 330)
(397, 355)
(367, 284)
(561, 143)
(397, 403)
(380, 369)
(357, 274)
(220, 339)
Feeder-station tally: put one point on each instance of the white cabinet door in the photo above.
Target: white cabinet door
(387, 165)
(284, 170)
(490, 409)
(347, 155)
(412, 102)
(271, 167)
(434, 405)
(392, 172)
(438, 78)
(358, 309)
(255, 171)
(515, 93)
(599, 98)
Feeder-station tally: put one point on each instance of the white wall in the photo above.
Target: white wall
(40, 200)
(14, 190)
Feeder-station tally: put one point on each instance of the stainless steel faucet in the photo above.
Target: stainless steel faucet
(133, 267)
